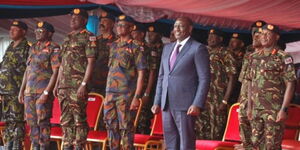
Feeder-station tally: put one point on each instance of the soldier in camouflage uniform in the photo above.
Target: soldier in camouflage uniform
(271, 76)
(245, 127)
(104, 40)
(12, 69)
(77, 62)
(212, 121)
(236, 46)
(154, 51)
(124, 86)
(38, 82)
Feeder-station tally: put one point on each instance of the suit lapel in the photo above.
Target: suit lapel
(185, 48)
(169, 54)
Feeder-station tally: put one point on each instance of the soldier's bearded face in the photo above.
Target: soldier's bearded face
(106, 25)
(182, 29)
(16, 33)
(213, 40)
(77, 22)
(256, 40)
(268, 38)
(41, 34)
(123, 28)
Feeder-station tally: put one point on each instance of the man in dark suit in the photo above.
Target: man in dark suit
(182, 86)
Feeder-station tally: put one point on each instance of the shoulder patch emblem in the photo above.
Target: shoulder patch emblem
(93, 38)
(288, 60)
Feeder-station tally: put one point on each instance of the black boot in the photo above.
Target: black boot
(8, 146)
(68, 148)
(17, 145)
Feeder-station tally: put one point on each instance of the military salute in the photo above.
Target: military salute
(12, 69)
(38, 83)
(77, 62)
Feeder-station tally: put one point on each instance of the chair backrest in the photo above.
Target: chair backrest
(137, 116)
(232, 132)
(157, 125)
(94, 109)
(55, 112)
(292, 124)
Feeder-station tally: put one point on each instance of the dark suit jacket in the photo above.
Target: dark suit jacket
(188, 82)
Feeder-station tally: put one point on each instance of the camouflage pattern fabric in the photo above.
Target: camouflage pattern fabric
(210, 125)
(125, 59)
(239, 57)
(245, 125)
(99, 79)
(153, 53)
(268, 72)
(38, 114)
(73, 118)
(119, 121)
(11, 74)
(42, 59)
(77, 47)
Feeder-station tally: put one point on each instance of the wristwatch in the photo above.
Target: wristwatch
(224, 102)
(146, 94)
(83, 83)
(284, 109)
(45, 92)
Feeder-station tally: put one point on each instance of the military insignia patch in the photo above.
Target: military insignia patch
(235, 35)
(122, 17)
(93, 38)
(15, 23)
(270, 27)
(259, 24)
(104, 14)
(212, 31)
(151, 28)
(288, 60)
(40, 24)
(76, 11)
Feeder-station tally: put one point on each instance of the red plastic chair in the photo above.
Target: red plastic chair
(292, 126)
(93, 110)
(231, 135)
(154, 140)
(101, 136)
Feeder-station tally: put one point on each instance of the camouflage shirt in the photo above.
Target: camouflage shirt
(268, 72)
(239, 56)
(77, 47)
(99, 78)
(124, 61)
(42, 59)
(222, 63)
(12, 67)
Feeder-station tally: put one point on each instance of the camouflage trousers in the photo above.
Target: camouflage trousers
(245, 126)
(266, 132)
(119, 121)
(38, 114)
(13, 115)
(73, 118)
(210, 124)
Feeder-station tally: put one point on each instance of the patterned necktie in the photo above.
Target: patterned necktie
(174, 56)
